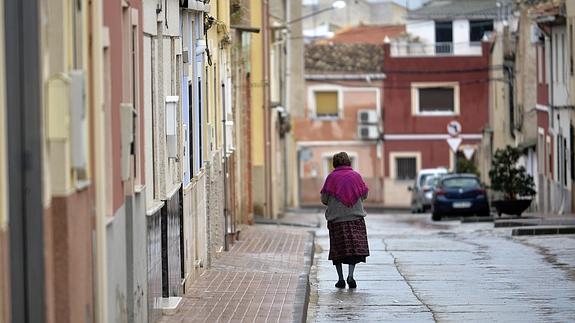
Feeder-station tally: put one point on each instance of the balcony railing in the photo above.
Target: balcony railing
(415, 49)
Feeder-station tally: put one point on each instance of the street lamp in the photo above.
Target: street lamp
(339, 4)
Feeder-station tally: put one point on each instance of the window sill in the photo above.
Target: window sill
(326, 118)
(82, 184)
(156, 206)
(436, 114)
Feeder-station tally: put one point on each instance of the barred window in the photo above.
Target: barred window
(406, 168)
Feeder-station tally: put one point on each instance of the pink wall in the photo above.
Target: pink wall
(345, 128)
(113, 20)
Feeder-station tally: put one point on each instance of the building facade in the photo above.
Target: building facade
(553, 39)
(437, 77)
(342, 113)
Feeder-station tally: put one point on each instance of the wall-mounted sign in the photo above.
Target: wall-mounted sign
(454, 128)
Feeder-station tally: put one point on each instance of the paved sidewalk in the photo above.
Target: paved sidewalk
(263, 278)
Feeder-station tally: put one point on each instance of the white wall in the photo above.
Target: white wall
(560, 63)
(425, 30)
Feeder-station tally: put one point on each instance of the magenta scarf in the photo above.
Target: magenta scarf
(345, 184)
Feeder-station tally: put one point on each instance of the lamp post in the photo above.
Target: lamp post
(339, 4)
(284, 29)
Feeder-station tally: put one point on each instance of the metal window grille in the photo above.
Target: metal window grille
(405, 168)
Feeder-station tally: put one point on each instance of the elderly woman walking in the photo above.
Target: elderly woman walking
(343, 192)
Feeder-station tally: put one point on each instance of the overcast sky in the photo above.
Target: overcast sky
(411, 3)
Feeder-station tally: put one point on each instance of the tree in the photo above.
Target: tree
(508, 178)
(465, 166)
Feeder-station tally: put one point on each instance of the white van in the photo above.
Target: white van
(421, 193)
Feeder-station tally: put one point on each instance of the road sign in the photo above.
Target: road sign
(468, 152)
(454, 143)
(454, 128)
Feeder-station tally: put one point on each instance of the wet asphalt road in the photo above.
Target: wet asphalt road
(424, 271)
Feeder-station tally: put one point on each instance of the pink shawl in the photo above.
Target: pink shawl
(345, 184)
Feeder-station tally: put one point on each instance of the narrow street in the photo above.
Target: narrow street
(424, 271)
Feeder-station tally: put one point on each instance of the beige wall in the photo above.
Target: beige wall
(526, 80)
(364, 159)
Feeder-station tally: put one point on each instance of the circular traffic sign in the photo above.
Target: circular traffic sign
(454, 128)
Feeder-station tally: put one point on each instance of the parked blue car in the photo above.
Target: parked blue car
(459, 194)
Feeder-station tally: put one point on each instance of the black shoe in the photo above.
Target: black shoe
(351, 282)
(340, 284)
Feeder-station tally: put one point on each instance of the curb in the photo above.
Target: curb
(543, 230)
(475, 219)
(264, 221)
(533, 222)
(303, 289)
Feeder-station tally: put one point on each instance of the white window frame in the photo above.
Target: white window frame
(325, 88)
(325, 157)
(404, 154)
(415, 86)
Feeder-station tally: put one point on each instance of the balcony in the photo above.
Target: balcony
(416, 49)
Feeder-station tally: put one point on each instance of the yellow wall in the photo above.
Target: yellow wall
(257, 86)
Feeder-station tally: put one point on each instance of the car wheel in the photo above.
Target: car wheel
(435, 216)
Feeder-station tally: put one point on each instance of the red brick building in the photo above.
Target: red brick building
(423, 93)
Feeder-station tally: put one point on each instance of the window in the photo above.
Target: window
(556, 63)
(478, 28)
(540, 64)
(571, 50)
(443, 37)
(439, 99)
(565, 161)
(572, 146)
(459, 182)
(406, 168)
(563, 72)
(326, 104)
(541, 151)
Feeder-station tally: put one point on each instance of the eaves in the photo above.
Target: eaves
(353, 77)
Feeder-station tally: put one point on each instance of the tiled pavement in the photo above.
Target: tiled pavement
(263, 278)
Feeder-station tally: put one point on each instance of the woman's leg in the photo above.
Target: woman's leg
(350, 281)
(350, 272)
(340, 283)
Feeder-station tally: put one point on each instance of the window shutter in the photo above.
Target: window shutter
(326, 103)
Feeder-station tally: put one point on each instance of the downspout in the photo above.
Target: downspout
(287, 102)
(267, 115)
(224, 132)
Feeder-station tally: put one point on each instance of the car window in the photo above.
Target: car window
(423, 178)
(431, 181)
(461, 182)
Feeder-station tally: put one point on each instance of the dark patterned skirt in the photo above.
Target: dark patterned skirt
(348, 242)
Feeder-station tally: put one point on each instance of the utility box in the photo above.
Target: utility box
(127, 138)
(367, 117)
(368, 132)
(172, 126)
(78, 121)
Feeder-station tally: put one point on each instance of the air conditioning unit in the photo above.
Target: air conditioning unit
(367, 132)
(367, 117)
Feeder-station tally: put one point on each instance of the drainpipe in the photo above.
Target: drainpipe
(267, 115)
(224, 132)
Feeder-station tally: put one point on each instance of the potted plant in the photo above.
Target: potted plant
(512, 181)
